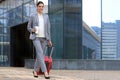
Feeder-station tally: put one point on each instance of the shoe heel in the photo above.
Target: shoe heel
(35, 75)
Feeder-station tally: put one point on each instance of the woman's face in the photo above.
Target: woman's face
(40, 8)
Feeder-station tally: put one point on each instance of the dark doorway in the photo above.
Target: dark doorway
(21, 46)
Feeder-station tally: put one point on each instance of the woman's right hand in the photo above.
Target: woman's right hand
(49, 43)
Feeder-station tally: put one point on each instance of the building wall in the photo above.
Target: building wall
(97, 30)
(12, 13)
(118, 38)
(109, 41)
(91, 44)
(55, 10)
(66, 18)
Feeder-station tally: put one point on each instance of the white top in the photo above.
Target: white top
(40, 28)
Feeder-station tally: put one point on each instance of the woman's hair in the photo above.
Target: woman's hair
(40, 2)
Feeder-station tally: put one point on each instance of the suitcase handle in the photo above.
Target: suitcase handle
(51, 52)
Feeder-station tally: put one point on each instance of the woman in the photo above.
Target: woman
(39, 28)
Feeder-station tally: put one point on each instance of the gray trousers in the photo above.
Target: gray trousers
(39, 44)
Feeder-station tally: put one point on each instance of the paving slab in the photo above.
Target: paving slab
(21, 73)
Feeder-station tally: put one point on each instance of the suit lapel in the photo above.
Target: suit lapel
(44, 19)
(36, 19)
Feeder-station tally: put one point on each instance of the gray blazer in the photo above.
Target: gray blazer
(34, 22)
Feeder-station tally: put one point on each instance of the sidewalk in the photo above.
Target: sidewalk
(14, 73)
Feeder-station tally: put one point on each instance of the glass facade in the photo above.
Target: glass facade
(73, 29)
(12, 12)
(91, 44)
(67, 31)
(66, 21)
(55, 10)
(118, 38)
(110, 30)
(109, 41)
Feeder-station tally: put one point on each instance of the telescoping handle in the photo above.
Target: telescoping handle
(51, 52)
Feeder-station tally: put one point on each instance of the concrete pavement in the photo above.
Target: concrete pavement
(15, 73)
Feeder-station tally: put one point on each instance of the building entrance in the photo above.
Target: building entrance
(21, 47)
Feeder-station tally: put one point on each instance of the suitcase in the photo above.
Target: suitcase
(47, 59)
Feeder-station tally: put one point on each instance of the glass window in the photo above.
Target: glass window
(56, 19)
(110, 29)
(72, 29)
(18, 15)
(32, 8)
(26, 12)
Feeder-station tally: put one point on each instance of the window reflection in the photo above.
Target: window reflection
(11, 14)
(56, 18)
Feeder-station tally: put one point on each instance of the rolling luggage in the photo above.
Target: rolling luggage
(47, 59)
